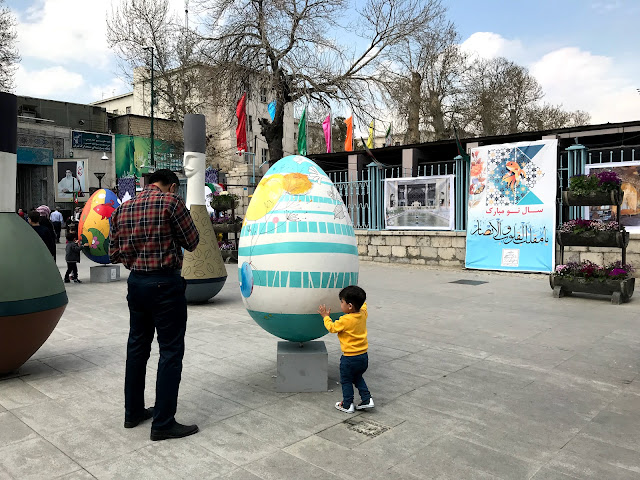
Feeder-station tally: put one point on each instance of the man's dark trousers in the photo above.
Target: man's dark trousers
(156, 302)
(57, 227)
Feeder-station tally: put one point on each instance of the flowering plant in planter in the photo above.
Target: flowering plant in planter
(224, 219)
(581, 225)
(604, 181)
(591, 271)
(226, 245)
(224, 201)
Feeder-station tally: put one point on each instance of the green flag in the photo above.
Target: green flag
(302, 133)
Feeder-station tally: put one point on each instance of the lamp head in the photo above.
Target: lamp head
(104, 157)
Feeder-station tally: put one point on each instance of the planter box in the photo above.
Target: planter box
(594, 239)
(620, 290)
(614, 197)
(227, 227)
(222, 202)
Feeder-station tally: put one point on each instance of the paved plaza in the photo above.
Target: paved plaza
(492, 381)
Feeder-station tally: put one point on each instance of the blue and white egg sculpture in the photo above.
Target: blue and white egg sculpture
(297, 250)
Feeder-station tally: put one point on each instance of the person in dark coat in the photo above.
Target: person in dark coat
(45, 233)
(72, 257)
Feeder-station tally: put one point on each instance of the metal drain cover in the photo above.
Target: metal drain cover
(469, 282)
(366, 427)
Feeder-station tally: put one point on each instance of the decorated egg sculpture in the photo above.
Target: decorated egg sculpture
(94, 224)
(297, 250)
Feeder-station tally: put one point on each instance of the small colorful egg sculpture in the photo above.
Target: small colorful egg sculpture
(297, 250)
(94, 224)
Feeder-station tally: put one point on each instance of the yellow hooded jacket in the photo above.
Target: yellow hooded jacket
(352, 331)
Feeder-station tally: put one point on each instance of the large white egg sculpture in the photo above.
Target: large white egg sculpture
(297, 250)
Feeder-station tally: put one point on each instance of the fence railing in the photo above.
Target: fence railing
(363, 191)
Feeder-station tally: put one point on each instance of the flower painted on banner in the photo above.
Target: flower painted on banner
(95, 242)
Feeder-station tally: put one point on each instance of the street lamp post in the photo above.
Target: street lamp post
(100, 175)
(153, 159)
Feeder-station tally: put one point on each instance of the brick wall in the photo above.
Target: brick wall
(447, 249)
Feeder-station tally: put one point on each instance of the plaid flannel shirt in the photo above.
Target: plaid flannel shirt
(149, 231)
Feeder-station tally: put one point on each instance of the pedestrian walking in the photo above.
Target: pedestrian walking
(45, 233)
(56, 220)
(147, 236)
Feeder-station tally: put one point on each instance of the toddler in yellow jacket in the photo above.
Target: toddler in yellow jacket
(352, 333)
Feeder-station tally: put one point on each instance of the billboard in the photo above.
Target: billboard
(512, 207)
(419, 203)
(91, 141)
(70, 178)
(132, 152)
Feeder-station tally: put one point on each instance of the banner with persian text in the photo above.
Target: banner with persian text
(512, 207)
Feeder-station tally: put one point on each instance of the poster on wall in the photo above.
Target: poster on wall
(629, 173)
(70, 178)
(419, 203)
(512, 207)
(133, 152)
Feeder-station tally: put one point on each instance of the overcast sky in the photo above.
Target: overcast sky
(584, 53)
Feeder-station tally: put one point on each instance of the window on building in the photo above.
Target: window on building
(115, 111)
(263, 94)
(250, 123)
(265, 155)
(128, 110)
(295, 135)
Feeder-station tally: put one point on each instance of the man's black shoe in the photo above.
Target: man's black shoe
(148, 413)
(177, 431)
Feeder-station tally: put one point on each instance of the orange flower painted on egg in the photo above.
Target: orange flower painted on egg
(296, 183)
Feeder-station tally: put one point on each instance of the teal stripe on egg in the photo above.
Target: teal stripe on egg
(293, 327)
(287, 279)
(297, 247)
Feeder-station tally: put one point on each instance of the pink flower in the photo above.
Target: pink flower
(95, 242)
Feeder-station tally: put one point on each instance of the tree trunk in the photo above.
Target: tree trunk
(415, 100)
(437, 117)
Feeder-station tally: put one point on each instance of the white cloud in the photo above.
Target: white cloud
(575, 78)
(581, 80)
(48, 83)
(115, 86)
(491, 45)
(65, 31)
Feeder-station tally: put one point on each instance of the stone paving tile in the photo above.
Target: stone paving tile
(234, 445)
(283, 466)
(77, 475)
(31, 458)
(538, 388)
(16, 393)
(13, 430)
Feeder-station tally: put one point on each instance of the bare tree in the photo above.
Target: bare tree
(547, 117)
(140, 29)
(423, 90)
(292, 47)
(9, 56)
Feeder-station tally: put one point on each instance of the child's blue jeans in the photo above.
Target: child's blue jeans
(351, 370)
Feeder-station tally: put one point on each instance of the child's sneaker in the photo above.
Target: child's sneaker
(345, 410)
(364, 406)
(77, 280)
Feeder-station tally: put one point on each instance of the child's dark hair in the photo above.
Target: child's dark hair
(353, 295)
(71, 236)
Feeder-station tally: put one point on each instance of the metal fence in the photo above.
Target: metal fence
(363, 192)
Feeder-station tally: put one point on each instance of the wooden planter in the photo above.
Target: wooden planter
(593, 238)
(227, 227)
(613, 197)
(620, 290)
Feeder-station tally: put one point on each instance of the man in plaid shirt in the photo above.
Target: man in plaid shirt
(147, 236)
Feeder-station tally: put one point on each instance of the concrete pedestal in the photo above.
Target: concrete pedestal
(104, 274)
(302, 367)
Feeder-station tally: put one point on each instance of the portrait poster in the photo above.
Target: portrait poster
(512, 207)
(70, 177)
(419, 203)
(629, 172)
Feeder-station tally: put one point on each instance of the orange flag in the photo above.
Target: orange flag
(348, 143)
